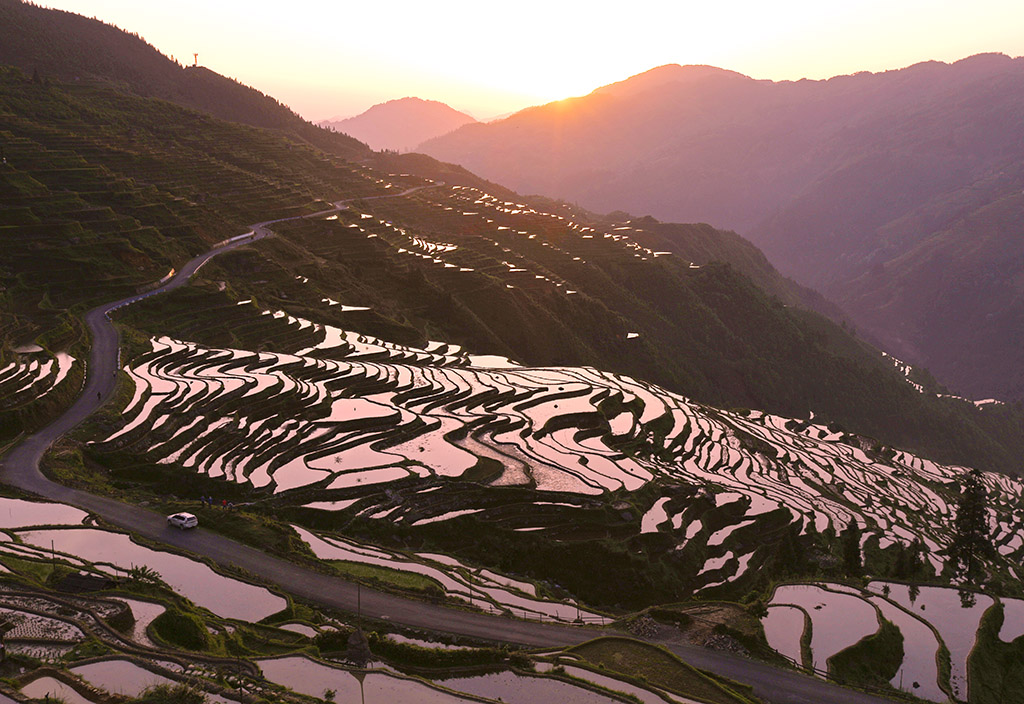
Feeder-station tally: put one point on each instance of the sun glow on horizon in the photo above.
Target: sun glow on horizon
(327, 59)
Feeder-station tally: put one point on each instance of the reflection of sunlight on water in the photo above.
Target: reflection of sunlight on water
(454, 577)
(924, 607)
(942, 608)
(144, 613)
(520, 689)
(119, 676)
(1013, 620)
(838, 620)
(919, 652)
(17, 513)
(44, 687)
(224, 596)
(783, 628)
(313, 679)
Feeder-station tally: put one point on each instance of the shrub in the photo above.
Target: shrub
(170, 694)
(182, 629)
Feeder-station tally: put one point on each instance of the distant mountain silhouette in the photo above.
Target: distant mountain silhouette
(896, 194)
(70, 47)
(401, 124)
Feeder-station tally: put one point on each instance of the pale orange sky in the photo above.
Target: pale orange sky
(327, 58)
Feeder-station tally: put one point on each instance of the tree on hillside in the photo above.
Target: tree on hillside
(792, 556)
(850, 537)
(908, 562)
(972, 540)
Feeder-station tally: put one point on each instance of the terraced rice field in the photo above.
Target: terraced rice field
(840, 616)
(350, 411)
(313, 678)
(491, 591)
(116, 554)
(31, 375)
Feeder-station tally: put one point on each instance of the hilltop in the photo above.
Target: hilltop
(69, 47)
(400, 125)
(887, 192)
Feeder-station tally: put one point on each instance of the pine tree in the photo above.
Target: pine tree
(971, 533)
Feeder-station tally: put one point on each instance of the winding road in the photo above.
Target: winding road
(20, 468)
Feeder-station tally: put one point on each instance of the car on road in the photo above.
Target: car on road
(182, 520)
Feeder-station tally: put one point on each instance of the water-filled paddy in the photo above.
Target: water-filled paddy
(456, 579)
(837, 620)
(520, 689)
(44, 687)
(227, 597)
(783, 628)
(916, 611)
(144, 612)
(16, 513)
(119, 676)
(956, 623)
(919, 672)
(312, 678)
(1013, 620)
(300, 628)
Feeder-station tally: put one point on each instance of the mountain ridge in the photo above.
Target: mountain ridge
(401, 124)
(833, 179)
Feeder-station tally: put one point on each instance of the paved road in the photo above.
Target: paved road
(20, 468)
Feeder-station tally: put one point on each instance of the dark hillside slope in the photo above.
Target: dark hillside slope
(71, 47)
(103, 192)
(848, 185)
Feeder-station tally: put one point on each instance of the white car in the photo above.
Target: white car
(182, 520)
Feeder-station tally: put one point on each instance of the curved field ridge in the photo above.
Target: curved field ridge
(838, 620)
(30, 376)
(956, 622)
(353, 411)
(783, 628)
(225, 596)
(495, 591)
(925, 614)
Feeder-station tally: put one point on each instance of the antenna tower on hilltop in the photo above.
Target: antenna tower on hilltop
(195, 61)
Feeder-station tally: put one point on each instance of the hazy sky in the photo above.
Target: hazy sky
(329, 58)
